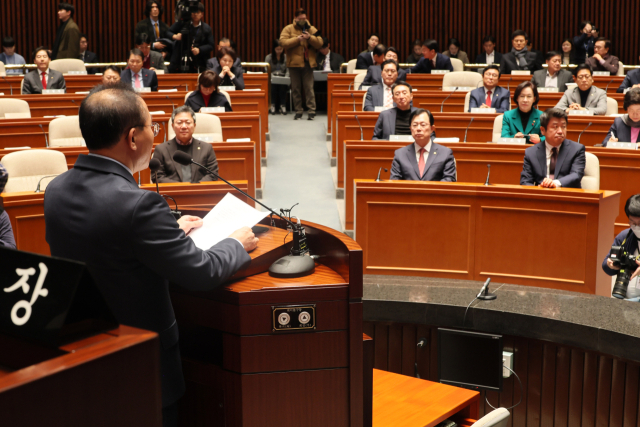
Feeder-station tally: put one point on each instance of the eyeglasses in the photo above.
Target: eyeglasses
(584, 77)
(155, 128)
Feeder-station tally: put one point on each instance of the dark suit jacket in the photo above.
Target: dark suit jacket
(509, 63)
(374, 76)
(6, 232)
(157, 61)
(482, 58)
(335, 59)
(440, 166)
(149, 78)
(95, 213)
(89, 58)
(33, 84)
(146, 27)
(386, 124)
(69, 46)
(170, 171)
(564, 77)
(374, 98)
(500, 99)
(569, 166)
(196, 101)
(424, 65)
(203, 41)
(364, 61)
(622, 131)
(236, 69)
(578, 51)
(632, 78)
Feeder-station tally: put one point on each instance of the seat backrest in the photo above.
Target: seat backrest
(357, 80)
(3, 71)
(364, 98)
(66, 65)
(26, 168)
(457, 64)
(10, 105)
(351, 66)
(591, 178)
(461, 79)
(226, 94)
(65, 132)
(612, 106)
(620, 69)
(496, 418)
(467, 99)
(187, 96)
(208, 127)
(497, 129)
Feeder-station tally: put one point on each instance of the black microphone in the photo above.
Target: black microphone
(605, 89)
(74, 102)
(172, 104)
(484, 292)
(46, 140)
(488, 173)
(360, 126)
(354, 101)
(380, 170)
(154, 165)
(442, 106)
(580, 136)
(289, 266)
(39, 182)
(465, 131)
(7, 82)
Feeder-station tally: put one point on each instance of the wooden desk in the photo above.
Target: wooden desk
(403, 401)
(472, 231)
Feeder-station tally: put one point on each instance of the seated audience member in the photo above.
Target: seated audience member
(585, 96)
(539, 54)
(197, 49)
(365, 59)
(455, 52)
(602, 60)
(567, 52)
(381, 95)
(524, 120)
(631, 80)
(154, 28)
(374, 73)
(431, 60)
(278, 60)
(86, 56)
(230, 73)
(423, 160)
(583, 44)
(490, 95)
(328, 60)
(565, 159)
(554, 75)
(396, 121)
(627, 127)
(207, 94)
(416, 52)
(224, 42)
(137, 76)
(490, 55)
(152, 60)
(378, 55)
(42, 77)
(183, 121)
(9, 55)
(520, 58)
(111, 75)
(6, 232)
(629, 238)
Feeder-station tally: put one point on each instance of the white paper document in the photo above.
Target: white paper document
(228, 216)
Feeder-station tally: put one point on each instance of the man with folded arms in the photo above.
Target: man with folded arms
(396, 121)
(601, 59)
(424, 160)
(554, 75)
(585, 96)
(490, 95)
(557, 162)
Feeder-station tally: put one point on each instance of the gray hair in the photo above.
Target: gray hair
(183, 109)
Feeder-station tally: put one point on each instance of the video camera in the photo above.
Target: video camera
(627, 263)
(185, 8)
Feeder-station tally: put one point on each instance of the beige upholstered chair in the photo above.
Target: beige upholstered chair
(612, 106)
(3, 71)
(620, 70)
(26, 168)
(65, 132)
(461, 79)
(467, 100)
(224, 92)
(495, 418)
(497, 129)
(457, 64)
(66, 65)
(351, 66)
(591, 178)
(208, 128)
(10, 105)
(357, 81)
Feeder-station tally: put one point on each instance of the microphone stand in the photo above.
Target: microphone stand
(10, 85)
(40, 181)
(484, 294)
(468, 126)
(172, 104)
(445, 100)
(360, 126)
(46, 140)
(488, 174)
(583, 130)
(605, 89)
(380, 170)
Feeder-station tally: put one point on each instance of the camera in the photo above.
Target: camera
(186, 8)
(627, 264)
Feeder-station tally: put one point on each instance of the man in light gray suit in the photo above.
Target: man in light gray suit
(396, 121)
(424, 160)
(380, 95)
(42, 77)
(554, 75)
(585, 96)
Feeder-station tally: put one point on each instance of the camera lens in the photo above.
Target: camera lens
(622, 281)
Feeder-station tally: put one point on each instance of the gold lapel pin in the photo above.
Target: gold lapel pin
(198, 148)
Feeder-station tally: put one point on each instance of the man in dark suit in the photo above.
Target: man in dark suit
(197, 49)
(183, 121)
(381, 95)
(374, 73)
(132, 245)
(6, 232)
(67, 42)
(490, 95)
(583, 44)
(520, 58)
(632, 79)
(86, 56)
(396, 121)
(554, 75)
(154, 28)
(375, 57)
(432, 60)
(328, 60)
(490, 55)
(424, 160)
(556, 162)
(152, 60)
(42, 77)
(137, 76)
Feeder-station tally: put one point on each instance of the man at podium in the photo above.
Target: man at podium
(133, 246)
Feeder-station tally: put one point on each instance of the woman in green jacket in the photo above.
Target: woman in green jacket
(524, 121)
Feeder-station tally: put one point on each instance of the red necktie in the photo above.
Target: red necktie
(44, 81)
(488, 101)
(421, 162)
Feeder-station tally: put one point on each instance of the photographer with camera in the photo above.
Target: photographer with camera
(193, 40)
(621, 261)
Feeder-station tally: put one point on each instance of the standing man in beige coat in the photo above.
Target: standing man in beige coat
(301, 42)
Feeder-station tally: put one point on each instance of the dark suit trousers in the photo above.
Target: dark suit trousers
(279, 94)
(302, 78)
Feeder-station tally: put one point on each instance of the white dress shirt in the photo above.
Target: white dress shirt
(549, 147)
(47, 77)
(327, 62)
(388, 95)
(491, 57)
(427, 148)
(551, 81)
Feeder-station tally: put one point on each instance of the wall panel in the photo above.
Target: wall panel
(253, 24)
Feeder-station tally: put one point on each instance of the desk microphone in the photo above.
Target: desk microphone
(360, 126)
(39, 182)
(445, 100)
(297, 264)
(605, 89)
(7, 82)
(465, 131)
(46, 140)
(76, 104)
(580, 136)
(380, 170)
(488, 174)
(172, 104)
(509, 84)
(154, 165)
(484, 292)
(354, 102)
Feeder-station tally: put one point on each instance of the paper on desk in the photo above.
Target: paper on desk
(228, 216)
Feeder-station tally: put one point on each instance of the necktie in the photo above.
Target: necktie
(157, 31)
(488, 101)
(552, 163)
(137, 81)
(421, 162)
(44, 80)
(433, 61)
(388, 97)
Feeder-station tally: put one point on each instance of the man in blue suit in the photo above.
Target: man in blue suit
(136, 76)
(556, 162)
(432, 59)
(490, 95)
(424, 160)
(131, 243)
(396, 121)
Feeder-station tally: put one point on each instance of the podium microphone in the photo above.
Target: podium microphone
(605, 89)
(509, 84)
(445, 100)
(380, 170)
(154, 165)
(488, 173)
(46, 140)
(40, 181)
(7, 82)
(290, 266)
(580, 136)
(360, 126)
(465, 131)
(172, 104)
(484, 293)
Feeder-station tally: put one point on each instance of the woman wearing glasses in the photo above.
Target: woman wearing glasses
(524, 121)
